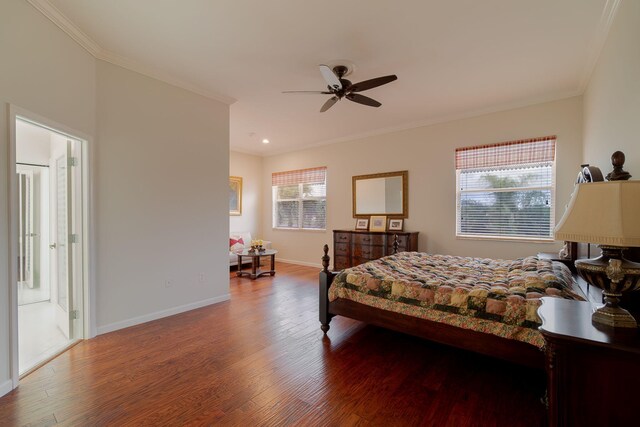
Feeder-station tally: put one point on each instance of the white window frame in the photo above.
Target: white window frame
(552, 219)
(275, 200)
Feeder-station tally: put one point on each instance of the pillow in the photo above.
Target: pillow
(236, 244)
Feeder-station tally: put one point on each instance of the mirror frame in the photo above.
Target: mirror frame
(405, 194)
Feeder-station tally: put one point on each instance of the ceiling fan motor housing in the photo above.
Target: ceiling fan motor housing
(341, 70)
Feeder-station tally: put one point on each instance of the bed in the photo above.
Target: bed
(483, 305)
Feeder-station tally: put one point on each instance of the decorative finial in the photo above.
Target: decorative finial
(618, 174)
(325, 259)
(395, 244)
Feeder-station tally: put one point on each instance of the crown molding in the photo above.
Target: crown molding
(158, 74)
(428, 122)
(609, 11)
(72, 30)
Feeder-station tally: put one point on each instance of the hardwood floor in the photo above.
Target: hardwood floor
(261, 359)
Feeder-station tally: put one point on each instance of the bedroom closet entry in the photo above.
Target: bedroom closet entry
(49, 259)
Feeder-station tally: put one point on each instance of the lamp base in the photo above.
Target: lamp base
(616, 317)
(615, 275)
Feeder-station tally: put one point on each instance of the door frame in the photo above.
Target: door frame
(88, 221)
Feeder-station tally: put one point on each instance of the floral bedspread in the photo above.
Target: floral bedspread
(499, 297)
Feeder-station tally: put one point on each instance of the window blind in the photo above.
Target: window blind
(506, 190)
(301, 176)
(299, 199)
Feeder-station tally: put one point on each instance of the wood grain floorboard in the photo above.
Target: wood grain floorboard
(260, 359)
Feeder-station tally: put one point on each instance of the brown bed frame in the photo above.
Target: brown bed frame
(491, 345)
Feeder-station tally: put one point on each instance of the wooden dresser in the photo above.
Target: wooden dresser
(354, 247)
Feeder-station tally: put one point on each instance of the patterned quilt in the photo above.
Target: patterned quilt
(499, 297)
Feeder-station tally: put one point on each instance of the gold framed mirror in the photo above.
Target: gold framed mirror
(381, 194)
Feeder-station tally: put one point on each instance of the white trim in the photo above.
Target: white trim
(163, 76)
(600, 38)
(5, 387)
(295, 262)
(88, 290)
(160, 314)
(72, 30)
(14, 373)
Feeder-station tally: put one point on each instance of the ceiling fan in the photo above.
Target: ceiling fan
(340, 87)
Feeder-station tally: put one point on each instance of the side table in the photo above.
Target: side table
(255, 263)
(592, 371)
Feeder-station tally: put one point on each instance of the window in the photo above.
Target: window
(300, 199)
(506, 190)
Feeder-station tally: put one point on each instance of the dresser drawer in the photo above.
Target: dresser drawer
(341, 249)
(368, 239)
(340, 262)
(403, 243)
(342, 237)
(369, 252)
(354, 247)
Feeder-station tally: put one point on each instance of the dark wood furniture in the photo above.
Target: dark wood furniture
(491, 345)
(354, 247)
(255, 263)
(592, 371)
(553, 256)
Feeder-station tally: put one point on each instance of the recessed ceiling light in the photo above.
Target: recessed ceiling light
(265, 141)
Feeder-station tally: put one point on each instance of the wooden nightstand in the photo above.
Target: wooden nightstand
(553, 256)
(592, 372)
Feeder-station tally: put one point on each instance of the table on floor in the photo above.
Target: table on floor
(589, 367)
(255, 263)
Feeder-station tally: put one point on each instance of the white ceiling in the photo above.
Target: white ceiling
(453, 58)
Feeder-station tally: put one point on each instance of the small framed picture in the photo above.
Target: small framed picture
(395, 225)
(362, 224)
(378, 223)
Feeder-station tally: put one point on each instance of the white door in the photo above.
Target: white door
(62, 246)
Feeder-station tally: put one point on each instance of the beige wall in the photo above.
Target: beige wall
(45, 72)
(162, 198)
(428, 154)
(612, 99)
(161, 173)
(249, 167)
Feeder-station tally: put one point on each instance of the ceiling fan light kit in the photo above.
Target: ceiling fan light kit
(339, 87)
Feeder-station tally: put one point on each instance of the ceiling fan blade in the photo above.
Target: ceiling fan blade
(329, 104)
(308, 91)
(361, 99)
(370, 84)
(330, 77)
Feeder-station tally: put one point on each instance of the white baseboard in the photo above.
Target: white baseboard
(6, 387)
(307, 264)
(160, 314)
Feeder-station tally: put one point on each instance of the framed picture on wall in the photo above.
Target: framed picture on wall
(395, 225)
(362, 224)
(235, 195)
(378, 223)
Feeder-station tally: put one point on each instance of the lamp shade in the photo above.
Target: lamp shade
(604, 213)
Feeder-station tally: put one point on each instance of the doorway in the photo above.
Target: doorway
(50, 277)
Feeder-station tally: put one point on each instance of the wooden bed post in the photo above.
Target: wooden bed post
(326, 278)
(395, 244)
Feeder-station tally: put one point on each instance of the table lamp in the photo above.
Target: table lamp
(607, 214)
